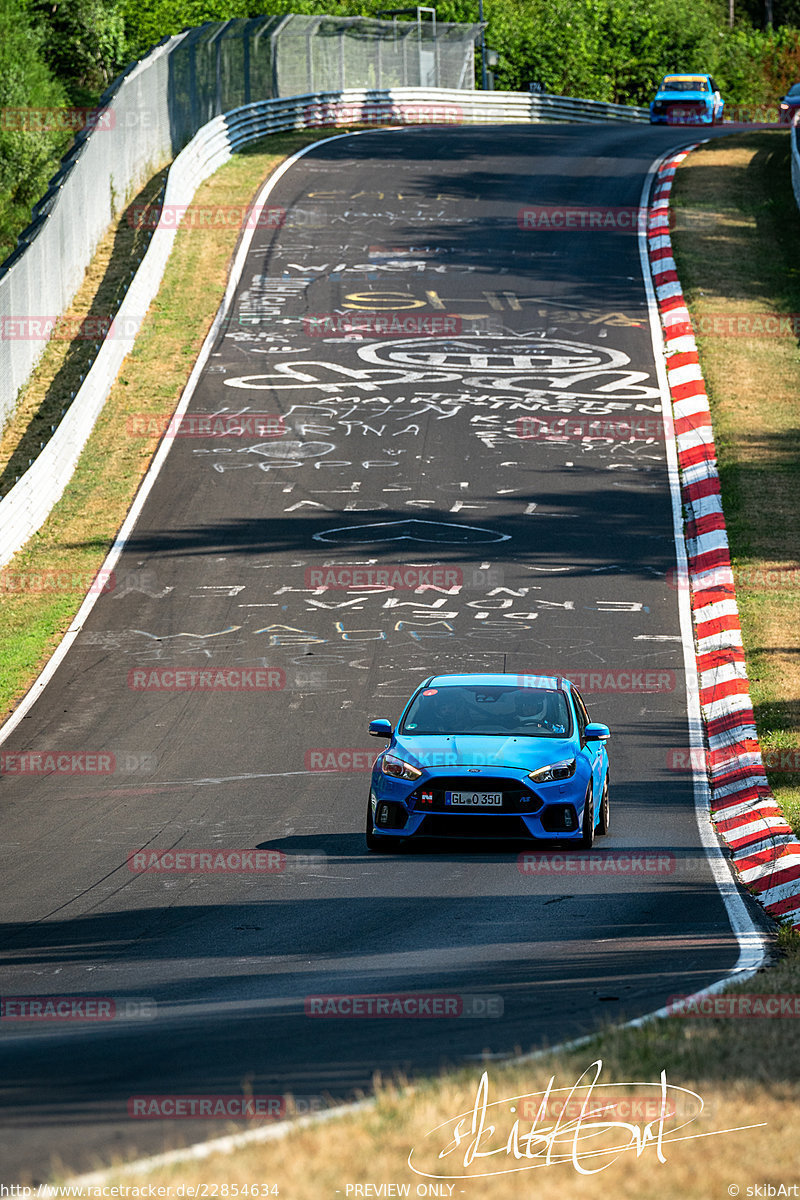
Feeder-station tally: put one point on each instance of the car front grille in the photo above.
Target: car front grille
(471, 825)
(680, 112)
(517, 797)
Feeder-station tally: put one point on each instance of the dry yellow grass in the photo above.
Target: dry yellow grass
(737, 250)
(373, 1149)
(744, 1071)
(76, 537)
(65, 360)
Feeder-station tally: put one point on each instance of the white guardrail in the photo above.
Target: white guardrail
(30, 501)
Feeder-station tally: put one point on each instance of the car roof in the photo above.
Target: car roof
(498, 679)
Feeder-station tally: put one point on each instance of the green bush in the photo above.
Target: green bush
(83, 43)
(614, 50)
(58, 51)
(27, 158)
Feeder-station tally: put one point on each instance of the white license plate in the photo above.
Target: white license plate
(475, 799)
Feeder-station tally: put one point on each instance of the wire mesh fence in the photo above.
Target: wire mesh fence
(32, 496)
(326, 54)
(157, 106)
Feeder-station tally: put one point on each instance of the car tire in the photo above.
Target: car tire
(605, 814)
(375, 843)
(587, 827)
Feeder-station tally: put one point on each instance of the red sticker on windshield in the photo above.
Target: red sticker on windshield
(430, 692)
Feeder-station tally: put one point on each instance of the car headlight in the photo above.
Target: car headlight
(554, 771)
(399, 769)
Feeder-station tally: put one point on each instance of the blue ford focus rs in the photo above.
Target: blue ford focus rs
(490, 756)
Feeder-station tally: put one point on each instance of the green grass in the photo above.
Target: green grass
(81, 529)
(745, 1070)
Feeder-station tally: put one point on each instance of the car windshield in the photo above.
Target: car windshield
(505, 710)
(684, 83)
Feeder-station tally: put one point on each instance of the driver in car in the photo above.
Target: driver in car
(531, 708)
(440, 712)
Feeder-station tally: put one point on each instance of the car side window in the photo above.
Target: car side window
(581, 714)
(714, 87)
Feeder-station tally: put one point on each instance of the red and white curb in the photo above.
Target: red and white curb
(765, 851)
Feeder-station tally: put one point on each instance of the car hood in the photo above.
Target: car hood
(442, 753)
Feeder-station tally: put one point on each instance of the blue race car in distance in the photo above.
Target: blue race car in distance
(689, 99)
(490, 756)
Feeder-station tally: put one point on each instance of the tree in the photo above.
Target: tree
(83, 42)
(29, 99)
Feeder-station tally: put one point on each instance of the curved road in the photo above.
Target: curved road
(397, 450)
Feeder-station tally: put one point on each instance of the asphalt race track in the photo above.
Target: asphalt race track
(400, 451)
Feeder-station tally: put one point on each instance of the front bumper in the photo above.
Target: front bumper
(550, 812)
(672, 112)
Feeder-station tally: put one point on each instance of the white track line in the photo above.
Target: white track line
(753, 944)
(163, 450)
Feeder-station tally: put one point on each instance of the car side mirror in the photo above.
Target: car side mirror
(380, 728)
(595, 732)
